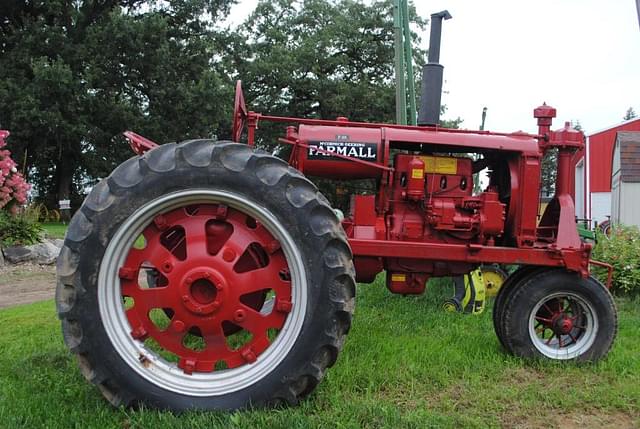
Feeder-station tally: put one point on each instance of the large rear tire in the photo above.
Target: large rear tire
(254, 288)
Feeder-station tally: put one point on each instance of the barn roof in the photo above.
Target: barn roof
(629, 146)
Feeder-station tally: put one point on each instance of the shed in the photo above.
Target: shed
(625, 179)
(592, 182)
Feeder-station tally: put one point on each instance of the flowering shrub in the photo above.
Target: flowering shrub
(13, 187)
(622, 250)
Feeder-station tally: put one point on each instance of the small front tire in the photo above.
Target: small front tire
(559, 315)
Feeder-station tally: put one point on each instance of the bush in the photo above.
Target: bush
(622, 250)
(18, 230)
(13, 187)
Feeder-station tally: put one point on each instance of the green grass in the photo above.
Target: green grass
(54, 229)
(405, 364)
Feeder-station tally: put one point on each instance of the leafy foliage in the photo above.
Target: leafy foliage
(319, 59)
(622, 250)
(18, 230)
(629, 114)
(74, 74)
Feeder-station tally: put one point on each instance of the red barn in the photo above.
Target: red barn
(593, 172)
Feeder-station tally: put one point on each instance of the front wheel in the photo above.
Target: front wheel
(559, 315)
(205, 276)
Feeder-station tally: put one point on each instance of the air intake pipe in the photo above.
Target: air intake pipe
(432, 74)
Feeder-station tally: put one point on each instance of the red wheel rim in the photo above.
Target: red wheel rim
(213, 268)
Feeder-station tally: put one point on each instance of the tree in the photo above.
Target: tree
(630, 114)
(75, 73)
(319, 59)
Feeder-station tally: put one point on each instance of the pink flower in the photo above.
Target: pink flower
(13, 187)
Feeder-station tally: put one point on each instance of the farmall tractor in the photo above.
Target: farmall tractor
(211, 275)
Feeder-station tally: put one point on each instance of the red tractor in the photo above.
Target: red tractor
(211, 275)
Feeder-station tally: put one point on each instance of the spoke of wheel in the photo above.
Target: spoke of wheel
(154, 252)
(548, 308)
(261, 279)
(573, 338)
(196, 236)
(214, 338)
(550, 338)
(257, 323)
(148, 299)
(539, 318)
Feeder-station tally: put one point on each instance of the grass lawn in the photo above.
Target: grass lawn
(405, 364)
(55, 229)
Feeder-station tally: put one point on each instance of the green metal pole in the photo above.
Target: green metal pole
(401, 94)
(408, 58)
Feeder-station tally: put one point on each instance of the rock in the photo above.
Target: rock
(17, 254)
(44, 253)
(1, 259)
(58, 242)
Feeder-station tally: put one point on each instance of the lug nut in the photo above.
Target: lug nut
(167, 267)
(239, 315)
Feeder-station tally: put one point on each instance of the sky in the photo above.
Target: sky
(580, 56)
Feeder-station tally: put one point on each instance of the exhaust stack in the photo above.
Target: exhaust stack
(432, 74)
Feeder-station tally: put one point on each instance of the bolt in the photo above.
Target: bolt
(283, 306)
(188, 365)
(185, 298)
(188, 281)
(215, 304)
(206, 275)
(139, 333)
(273, 246)
(160, 222)
(178, 325)
(239, 315)
(221, 212)
(219, 286)
(228, 255)
(248, 355)
(127, 273)
(167, 267)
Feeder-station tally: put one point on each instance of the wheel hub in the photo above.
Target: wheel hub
(202, 291)
(562, 324)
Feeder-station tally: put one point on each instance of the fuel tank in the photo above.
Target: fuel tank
(364, 144)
